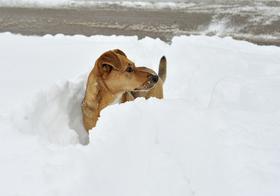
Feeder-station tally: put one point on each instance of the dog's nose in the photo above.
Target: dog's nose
(154, 78)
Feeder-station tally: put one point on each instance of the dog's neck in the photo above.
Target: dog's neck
(95, 101)
(107, 96)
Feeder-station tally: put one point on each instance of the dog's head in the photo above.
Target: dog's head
(120, 74)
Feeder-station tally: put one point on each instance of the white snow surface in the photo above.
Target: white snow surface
(216, 132)
(144, 4)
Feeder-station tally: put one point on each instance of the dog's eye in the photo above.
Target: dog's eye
(129, 69)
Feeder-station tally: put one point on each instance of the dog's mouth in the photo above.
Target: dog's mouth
(146, 86)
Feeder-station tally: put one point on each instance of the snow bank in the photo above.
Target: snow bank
(145, 4)
(215, 133)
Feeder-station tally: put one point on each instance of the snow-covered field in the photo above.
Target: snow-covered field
(216, 133)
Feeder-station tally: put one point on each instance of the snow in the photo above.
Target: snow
(215, 133)
(144, 4)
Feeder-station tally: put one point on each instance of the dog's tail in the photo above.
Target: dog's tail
(162, 68)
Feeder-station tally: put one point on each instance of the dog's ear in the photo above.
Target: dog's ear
(106, 67)
(108, 61)
(120, 52)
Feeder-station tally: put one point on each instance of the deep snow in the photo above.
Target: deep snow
(215, 133)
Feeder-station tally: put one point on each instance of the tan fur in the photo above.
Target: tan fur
(157, 90)
(110, 80)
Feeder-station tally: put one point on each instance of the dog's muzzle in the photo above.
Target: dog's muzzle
(150, 83)
(153, 78)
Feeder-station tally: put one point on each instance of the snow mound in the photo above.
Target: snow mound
(215, 133)
(55, 115)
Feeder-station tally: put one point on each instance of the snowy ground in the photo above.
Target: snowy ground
(216, 133)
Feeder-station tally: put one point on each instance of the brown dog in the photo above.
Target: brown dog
(115, 78)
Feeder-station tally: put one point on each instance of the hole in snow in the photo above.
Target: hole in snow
(55, 115)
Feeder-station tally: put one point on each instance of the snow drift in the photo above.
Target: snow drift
(215, 133)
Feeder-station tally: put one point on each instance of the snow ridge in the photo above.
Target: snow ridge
(215, 133)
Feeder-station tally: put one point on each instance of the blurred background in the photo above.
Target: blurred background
(257, 21)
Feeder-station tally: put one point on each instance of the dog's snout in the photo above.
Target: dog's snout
(154, 78)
